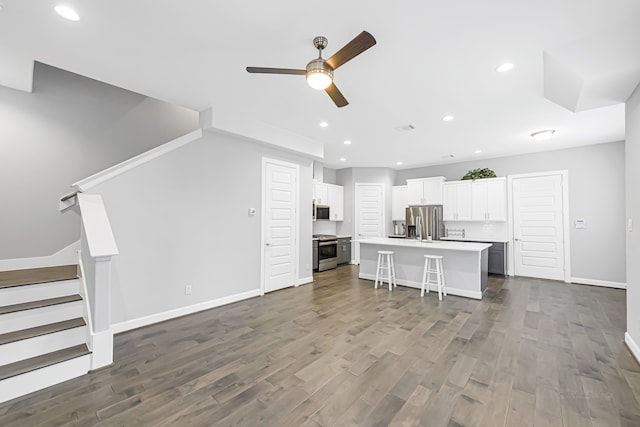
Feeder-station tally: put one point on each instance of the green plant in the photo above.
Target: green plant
(479, 174)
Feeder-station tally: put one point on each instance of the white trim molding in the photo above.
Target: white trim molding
(594, 282)
(305, 280)
(182, 311)
(632, 346)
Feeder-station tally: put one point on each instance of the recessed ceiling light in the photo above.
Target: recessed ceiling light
(543, 134)
(67, 12)
(399, 163)
(447, 118)
(347, 142)
(342, 159)
(477, 152)
(324, 124)
(503, 68)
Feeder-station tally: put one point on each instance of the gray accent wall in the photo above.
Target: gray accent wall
(69, 128)
(182, 219)
(633, 212)
(596, 195)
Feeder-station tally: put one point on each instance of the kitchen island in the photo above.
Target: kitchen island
(465, 263)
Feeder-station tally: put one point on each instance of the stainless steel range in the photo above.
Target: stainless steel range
(325, 252)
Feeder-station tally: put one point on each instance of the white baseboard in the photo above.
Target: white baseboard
(65, 256)
(603, 283)
(633, 347)
(182, 311)
(450, 290)
(305, 280)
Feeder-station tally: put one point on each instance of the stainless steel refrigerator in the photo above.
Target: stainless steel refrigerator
(424, 222)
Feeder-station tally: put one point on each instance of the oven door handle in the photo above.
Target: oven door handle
(331, 242)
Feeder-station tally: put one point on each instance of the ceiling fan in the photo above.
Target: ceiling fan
(319, 71)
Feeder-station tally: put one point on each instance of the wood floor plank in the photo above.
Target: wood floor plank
(340, 353)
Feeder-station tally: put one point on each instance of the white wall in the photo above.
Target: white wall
(182, 219)
(633, 212)
(596, 194)
(67, 129)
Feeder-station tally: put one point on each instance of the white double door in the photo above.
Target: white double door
(539, 225)
(280, 200)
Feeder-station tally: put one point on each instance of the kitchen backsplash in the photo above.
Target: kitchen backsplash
(324, 227)
(477, 230)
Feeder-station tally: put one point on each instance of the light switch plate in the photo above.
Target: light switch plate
(252, 211)
(580, 223)
(630, 224)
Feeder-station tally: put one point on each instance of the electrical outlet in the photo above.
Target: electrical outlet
(187, 290)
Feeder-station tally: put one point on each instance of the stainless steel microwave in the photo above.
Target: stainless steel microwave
(321, 213)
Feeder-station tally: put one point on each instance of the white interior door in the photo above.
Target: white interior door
(538, 226)
(280, 224)
(369, 212)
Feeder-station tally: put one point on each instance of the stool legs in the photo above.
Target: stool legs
(386, 267)
(433, 267)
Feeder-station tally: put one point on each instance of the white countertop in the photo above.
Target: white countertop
(433, 244)
(474, 239)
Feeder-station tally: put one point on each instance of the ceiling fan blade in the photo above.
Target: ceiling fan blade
(336, 96)
(355, 47)
(275, 70)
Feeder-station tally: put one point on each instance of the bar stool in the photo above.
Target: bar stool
(433, 265)
(386, 267)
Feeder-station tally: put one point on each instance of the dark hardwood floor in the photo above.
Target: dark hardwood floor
(339, 353)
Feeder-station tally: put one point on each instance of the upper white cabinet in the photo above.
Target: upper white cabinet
(457, 201)
(425, 191)
(399, 202)
(489, 199)
(335, 200)
(332, 196)
(320, 193)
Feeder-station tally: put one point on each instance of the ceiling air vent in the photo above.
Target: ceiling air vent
(404, 128)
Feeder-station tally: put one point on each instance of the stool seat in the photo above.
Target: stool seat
(386, 267)
(433, 266)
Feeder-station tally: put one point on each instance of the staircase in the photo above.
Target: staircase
(43, 334)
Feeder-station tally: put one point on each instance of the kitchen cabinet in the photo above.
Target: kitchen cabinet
(344, 250)
(320, 193)
(425, 191)
(457, 201)
(399, 202)
(335, 200)
(332, 196)
(489, 199)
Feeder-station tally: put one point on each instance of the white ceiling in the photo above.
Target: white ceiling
(576, 62)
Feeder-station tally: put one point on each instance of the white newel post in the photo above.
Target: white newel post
(98, 248)
(102, 334)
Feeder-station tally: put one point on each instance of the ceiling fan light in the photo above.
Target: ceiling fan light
(319, 80)
(319, 74)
